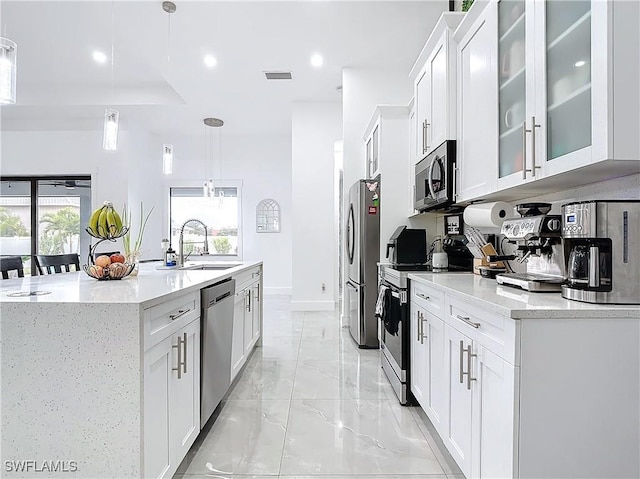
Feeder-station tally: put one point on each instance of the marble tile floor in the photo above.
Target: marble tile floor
(310, 405)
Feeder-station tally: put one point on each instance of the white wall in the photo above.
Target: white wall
(69, 153)
(263, 164)
(133, 174)
(315, 129)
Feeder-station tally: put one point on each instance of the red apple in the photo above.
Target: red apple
(117, 258)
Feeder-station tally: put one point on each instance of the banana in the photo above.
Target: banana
(118, 220)
(111, 222)
(93, 221)
(103, 228)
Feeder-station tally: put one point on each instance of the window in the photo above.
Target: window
(220, 214)
(44, 215)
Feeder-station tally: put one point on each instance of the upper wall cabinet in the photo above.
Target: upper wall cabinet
(559, 64)
(477, 125)
(434, 76)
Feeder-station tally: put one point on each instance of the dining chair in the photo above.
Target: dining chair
(54, 263)
(11, 263)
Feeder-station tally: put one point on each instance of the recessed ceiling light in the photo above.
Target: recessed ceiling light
(316, 60)
(210, 61)
(99, 57)
(580, 63)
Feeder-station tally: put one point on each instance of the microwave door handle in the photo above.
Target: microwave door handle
(430, 177)
(594, 267)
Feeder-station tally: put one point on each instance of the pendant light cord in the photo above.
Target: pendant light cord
(112, 52)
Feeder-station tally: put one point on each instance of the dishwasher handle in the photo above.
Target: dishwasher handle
(217, 292)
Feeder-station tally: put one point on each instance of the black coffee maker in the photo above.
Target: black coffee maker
(409, 247)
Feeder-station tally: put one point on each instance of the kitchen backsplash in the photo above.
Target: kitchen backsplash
(627, 187)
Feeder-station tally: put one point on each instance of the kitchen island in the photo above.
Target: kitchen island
(83, 389)
(526, 385)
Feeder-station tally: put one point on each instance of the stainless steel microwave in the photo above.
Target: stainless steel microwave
(434, 187)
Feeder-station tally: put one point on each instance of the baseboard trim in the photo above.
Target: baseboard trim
(313, 305)
(277, 290)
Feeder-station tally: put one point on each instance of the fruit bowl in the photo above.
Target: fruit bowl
(113, 271)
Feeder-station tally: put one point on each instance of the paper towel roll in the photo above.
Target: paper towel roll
(488, 215)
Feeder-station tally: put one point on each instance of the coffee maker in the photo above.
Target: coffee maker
(602, 247)
(539, 246)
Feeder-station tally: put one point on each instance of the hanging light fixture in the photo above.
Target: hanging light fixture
(110, 133)
(167, 159)
(208, 189)
(8, 66)
(111, 116)
(167, 150)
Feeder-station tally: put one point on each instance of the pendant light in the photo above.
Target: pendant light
(167, 159)
(208, 189)
(167, 149)
(111, 116)
(8, 66)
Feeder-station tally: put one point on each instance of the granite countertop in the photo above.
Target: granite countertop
(519, 304)
(152, 285)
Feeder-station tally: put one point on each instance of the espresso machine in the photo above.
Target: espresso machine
(602, 247)
(539, 246)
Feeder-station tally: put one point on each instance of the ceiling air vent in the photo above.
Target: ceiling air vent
(278, 75)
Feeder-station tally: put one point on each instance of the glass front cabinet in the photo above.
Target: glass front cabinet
(558, 71)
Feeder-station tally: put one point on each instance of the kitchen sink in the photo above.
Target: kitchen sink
(210, 266)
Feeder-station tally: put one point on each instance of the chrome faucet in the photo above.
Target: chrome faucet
(205, 250)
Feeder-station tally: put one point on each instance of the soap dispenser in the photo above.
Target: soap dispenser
(170, 257)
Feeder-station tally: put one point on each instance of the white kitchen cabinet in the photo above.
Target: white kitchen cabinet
(372, 142)
(427, 346)
(458, 432)
(237, 342)
(171, 400)
(477, 125)
(389, 126)
(256, 311)
(247, 319)
(494, 409)
(419, 358)
(434, 76)
(555, 66)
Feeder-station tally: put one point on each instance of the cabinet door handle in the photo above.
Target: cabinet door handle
(419, 324)
(247, 297)
(423, 296)
(181, 312)
(426, 136)
(178, 346)
(469, 322)
(184, 362)
(422, 335)
(470, 355)
(524, 149)
(533, 146)
(461, 361)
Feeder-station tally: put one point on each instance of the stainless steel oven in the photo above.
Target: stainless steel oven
(435, 180)
(394, 333)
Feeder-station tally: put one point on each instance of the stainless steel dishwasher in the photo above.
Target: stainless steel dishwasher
(216, 338)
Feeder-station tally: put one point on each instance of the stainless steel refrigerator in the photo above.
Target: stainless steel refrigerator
(363, 254)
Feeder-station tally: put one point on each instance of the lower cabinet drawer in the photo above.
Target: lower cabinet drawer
(427, 297)
(165, 318)
(492, 330)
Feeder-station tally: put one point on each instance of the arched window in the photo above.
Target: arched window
(268, 217)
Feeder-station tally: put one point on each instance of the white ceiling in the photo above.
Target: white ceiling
(61, 87)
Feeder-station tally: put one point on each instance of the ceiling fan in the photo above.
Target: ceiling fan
(68, 184)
